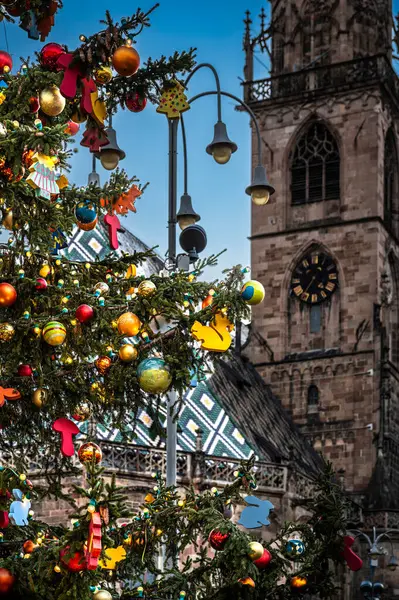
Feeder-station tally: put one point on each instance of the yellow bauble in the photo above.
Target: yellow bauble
(8, 221)
(128, 353)
(146, 288)
(256, 550)
(45, 270)
(131, 272)
(39, 397)
(7, 332)
(102, 595)
(52, 102)
(129, 324)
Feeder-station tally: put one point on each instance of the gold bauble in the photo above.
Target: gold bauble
(256, 550)
(146, 288)
(81, 412)
(103, 75)
(39, 397)
(78, 116)
(128, 353)
(7, 332)
(102, 595)
(52, 102)
(8, 220)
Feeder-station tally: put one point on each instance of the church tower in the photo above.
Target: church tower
(326, 246)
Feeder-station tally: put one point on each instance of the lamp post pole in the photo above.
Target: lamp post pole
(260, 189)
(171, 422)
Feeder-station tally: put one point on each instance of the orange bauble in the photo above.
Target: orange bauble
(6, 581)
(129, 324)
(126, 61)
(89, 452)
(8, 295)
(103, 364)
(299, 582)
(29, 546)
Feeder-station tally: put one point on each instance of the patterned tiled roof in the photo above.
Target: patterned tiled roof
(200, 410)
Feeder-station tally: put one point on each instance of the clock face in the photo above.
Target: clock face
(315, 278)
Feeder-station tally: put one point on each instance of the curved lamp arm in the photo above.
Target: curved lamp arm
(217, 81)
(185, 160)
(361, 534)
(245, 106)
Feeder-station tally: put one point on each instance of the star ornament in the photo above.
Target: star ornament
(127, 201)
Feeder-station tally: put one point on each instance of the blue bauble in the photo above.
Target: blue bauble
(294, 548)
(86, 215)
(154, 375)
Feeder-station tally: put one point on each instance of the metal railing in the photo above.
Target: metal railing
(343, 76)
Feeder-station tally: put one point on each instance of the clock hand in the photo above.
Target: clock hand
(313, 278)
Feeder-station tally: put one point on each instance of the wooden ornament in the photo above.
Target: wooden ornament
(173, 100)
(215, 337)
(112, 557)
(19, 509)
(256, 513)
(99, 109)
(8, 394)
(67, 429)
(353, 561)
(114, 226)
(93, 550)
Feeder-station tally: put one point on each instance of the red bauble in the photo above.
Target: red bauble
(34, 104)
(136, 103)
(49, 55)
(41, 284)
(4, 519)
(5, 62)
(25, 371)
(217, 539)
(84, 313)
(72, 128)
(8, 295)
(76, 563)
(264, 560)
(6, 581)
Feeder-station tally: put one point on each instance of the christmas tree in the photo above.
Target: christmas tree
(89, 339)
(108, 553)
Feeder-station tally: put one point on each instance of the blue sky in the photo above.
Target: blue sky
(218, 192)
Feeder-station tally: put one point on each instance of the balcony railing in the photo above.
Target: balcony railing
(343, 76)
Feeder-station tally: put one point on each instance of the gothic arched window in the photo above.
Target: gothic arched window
(313, 396)
(391, 204)
(315, 168)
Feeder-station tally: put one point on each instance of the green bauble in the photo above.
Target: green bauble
(154, 375)
(54, 333)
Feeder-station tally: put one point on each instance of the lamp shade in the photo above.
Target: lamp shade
(110, 154)
(186, 215)
(260, 186)
(221, 146)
